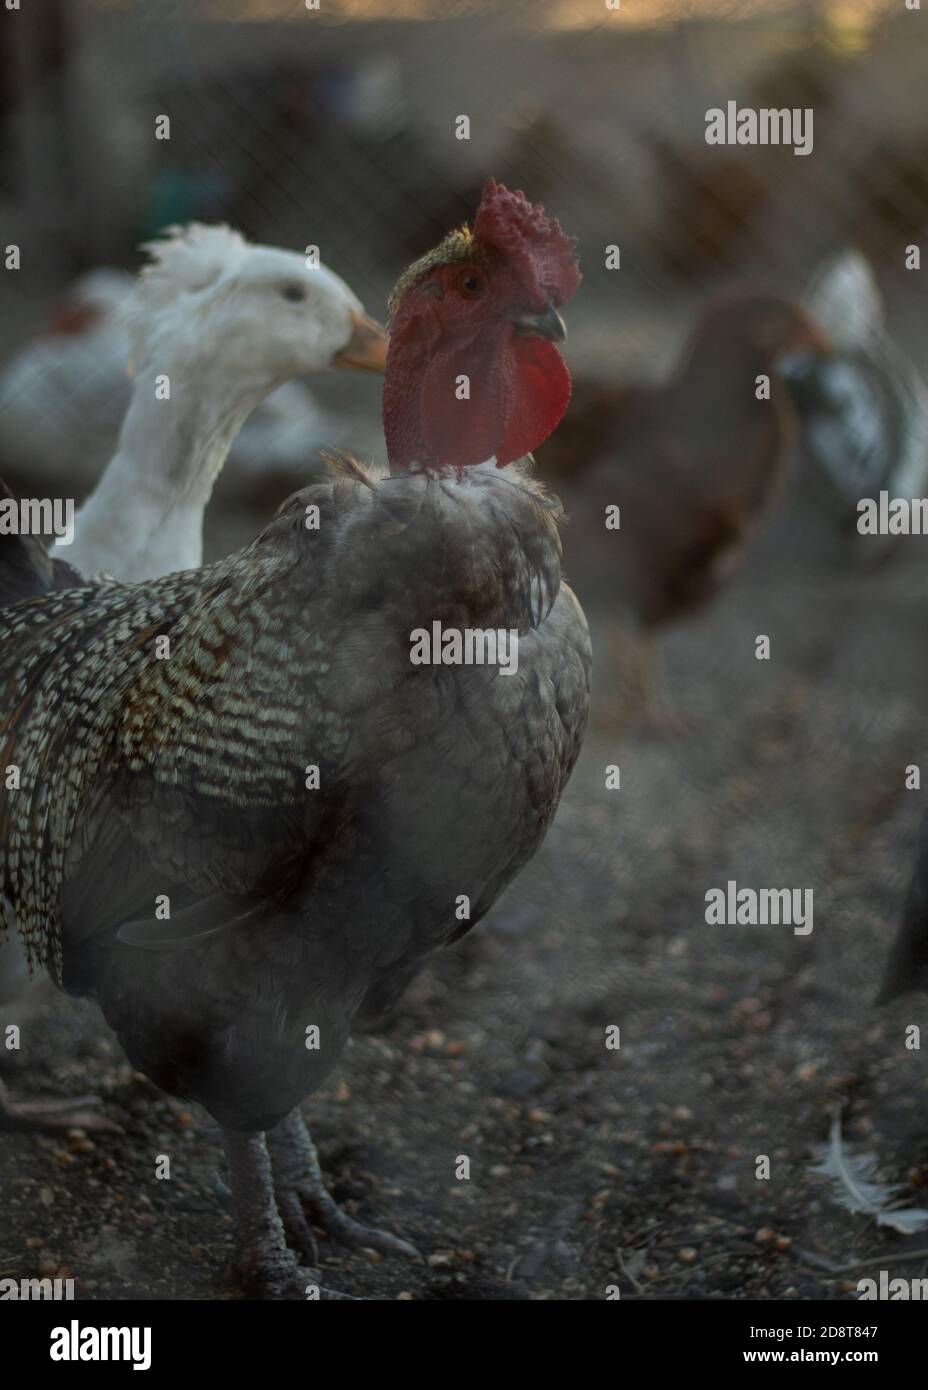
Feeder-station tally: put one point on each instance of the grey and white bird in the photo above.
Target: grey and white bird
(863, 407)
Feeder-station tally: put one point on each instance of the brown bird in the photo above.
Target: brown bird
(692, 465)
(247, 813)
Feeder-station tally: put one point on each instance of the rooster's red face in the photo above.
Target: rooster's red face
(472, 370)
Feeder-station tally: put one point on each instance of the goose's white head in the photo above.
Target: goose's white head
(256, 315)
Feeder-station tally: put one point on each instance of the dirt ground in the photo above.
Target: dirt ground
(593, 1167)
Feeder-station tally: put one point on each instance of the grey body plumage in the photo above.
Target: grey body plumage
(186, 776)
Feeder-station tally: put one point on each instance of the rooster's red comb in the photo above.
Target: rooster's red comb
(544, 257)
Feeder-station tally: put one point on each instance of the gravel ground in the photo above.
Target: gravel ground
(593, 1167)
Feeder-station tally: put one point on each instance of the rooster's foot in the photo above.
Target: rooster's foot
(266, 1272)
(304, 1202)
(635, 703)
(302, 1208)
(55, 1116)
(264, 1265)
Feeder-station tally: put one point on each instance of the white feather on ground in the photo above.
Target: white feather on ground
(856, 1187)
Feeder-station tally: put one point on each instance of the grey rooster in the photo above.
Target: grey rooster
(251, 744)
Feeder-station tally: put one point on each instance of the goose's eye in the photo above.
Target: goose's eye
(295, 293)
(470, 284)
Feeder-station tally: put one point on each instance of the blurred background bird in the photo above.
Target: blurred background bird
(906, 967)
(665, 485)
(863, 407)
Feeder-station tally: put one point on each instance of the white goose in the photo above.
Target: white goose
(63, 396)
(218, 325)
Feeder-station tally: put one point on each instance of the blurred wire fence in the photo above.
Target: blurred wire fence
(340, 126)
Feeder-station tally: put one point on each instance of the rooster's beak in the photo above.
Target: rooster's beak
(366, 349)
(547, 324)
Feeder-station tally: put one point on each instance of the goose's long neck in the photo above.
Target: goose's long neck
(145, 517)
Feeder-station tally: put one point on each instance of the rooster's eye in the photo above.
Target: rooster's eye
(470, 285)
(295, 293)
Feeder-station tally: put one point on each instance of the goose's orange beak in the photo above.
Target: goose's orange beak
(366, 349)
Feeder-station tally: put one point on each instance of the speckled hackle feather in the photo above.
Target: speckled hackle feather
(85, 695)
(508, 224)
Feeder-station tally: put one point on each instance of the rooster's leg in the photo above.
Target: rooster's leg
(620, 704)
(302, 1196)
(264, 1264)
(54, 1116)
(657, 714)
(635, 679)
